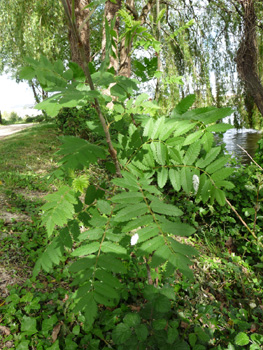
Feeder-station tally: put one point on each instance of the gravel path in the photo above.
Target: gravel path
(6, 130)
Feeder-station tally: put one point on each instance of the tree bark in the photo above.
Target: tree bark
(81, 16)
(110, 12)
(247, 55)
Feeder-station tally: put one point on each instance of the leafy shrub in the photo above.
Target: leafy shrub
(73, 121)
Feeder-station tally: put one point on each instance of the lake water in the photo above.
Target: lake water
(246, 138)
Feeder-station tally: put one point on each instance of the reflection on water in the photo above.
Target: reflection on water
(246, 138)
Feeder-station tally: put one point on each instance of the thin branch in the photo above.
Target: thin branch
(250, 157)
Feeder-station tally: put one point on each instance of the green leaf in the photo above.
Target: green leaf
(184, 127)
(106, 290)
(177, 228)
(147, 233)
(162, 304)
(222, 174)
(193, 137)
(131, 211)
(241, 339)
(175, 178)
(109, 247)
(159, 324)
(162, 177)
(121, 333)
(132, 319)
(181, 248)
(159, 152)
(152, 244)
(29, 325)
(220, 196)
(219, 127)
(186, 179)
(27, 73)
(167, 209)
(59, 208)
(211, 155)
(206, 191)
(216, 165)
(192, 153)
(106, 277)
(141, 332)
(104, 207)
(183, 105)
(23, 345)
(111, 263)
(91, 309)
(87, 249)
(128, 197)
(158, 125)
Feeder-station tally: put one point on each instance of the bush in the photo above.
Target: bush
(73, 121)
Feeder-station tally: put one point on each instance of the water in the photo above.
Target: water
(246, 138)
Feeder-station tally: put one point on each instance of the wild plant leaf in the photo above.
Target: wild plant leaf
(148, 128)
(79, 152)
(131, 211)
(147, 233)
(158, 125)
(217, 164)
(128, 181)
(175, 178)
(176, 155)
(160, 256)
(162, 177)
(109, 247)
(181, 248)
(166, 209)
(148, 158)
(168, 128)
(82, 264)
(183, 106)
(184, 127)
(187, 179)
(138, 222)
(222, 174)
(193, 137)
(192, 153)
(206, 191)
(210, 156)
(108, 278)
(219, 127)
(181, 262)
(104, 207)
(91, 309)
(105, 289)
(177, 228)
(87, 249)
(215, 115)
(226, 184)
(59, 208)
(207, 141)
(152, 244)
(128, 197)
(111, 263)
(220, 196)
(159, 152)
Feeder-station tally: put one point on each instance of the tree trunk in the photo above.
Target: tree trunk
(81, 15)
(110, 12)
(247, 55)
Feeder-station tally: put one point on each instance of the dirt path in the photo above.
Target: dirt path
(6, 130)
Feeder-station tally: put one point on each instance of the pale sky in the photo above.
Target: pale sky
(16, 97)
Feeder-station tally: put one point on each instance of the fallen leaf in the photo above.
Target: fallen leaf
(56, 331)
(4, 330)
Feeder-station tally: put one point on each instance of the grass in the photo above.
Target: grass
(225, 298)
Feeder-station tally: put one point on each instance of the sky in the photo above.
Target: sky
(17, 97)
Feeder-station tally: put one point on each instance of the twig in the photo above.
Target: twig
(244, 223)
(250, 157)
